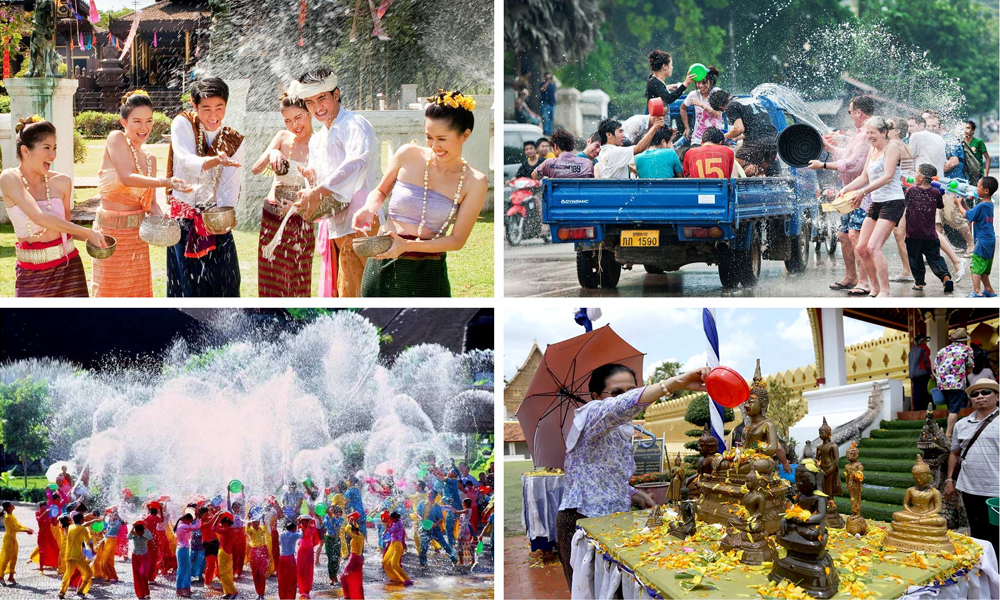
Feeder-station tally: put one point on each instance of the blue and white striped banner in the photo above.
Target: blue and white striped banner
(712, 358)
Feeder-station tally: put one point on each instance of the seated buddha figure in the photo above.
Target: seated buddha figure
(761, 434)
(920, 526)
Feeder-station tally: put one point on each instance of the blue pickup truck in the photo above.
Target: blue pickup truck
(664, 224)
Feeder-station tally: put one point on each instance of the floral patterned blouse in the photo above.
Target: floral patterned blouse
(599, 464)
(950, 366)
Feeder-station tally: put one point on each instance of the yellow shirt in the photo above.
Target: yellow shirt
(12, 525)
(78, 534)
(258, 536)
(357, 540)
(338, 500)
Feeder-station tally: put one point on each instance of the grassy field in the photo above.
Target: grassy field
(513, 500)
(470, 270)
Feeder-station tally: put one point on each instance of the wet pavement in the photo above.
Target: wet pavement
(549, 270)
(526, 575)
(439, 580)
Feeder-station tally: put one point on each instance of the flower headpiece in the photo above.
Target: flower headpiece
(135, 92)
(22, 123)
(453, 99)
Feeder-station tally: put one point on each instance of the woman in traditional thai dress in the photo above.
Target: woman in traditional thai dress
(288, 272)
(39, 203)
(126, 185)
(426, 188)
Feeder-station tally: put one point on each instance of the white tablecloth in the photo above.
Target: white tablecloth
(542, 495)
(597, 576)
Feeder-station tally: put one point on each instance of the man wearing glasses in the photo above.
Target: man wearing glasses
(979, 477)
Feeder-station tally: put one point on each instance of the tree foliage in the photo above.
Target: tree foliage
(759, 41)
(24, 412)
(555, 32)
(786, 407)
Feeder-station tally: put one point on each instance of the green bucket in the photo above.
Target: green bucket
(427, 524)
(320, 510)
(699, 71)
(97, 526)
(993, 504)
(235, 486)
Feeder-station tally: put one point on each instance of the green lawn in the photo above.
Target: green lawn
(513, 499)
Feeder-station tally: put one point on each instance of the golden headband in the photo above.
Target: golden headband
(22, 123)
(454, 100)
(135, 92)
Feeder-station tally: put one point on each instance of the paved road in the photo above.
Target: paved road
(549, 270)
(440, 580)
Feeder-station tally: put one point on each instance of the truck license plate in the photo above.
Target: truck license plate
(641, 238)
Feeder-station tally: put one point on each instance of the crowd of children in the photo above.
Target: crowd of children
(273, 536)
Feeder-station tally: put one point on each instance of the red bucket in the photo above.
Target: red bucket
(727, 387)
(655, 107)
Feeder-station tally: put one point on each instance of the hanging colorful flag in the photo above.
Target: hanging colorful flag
(94, 17)
(80, 39)
(90, 42)
(154, 39)
(131, 34)
(303, 9)
(377, 19)
(6, 64)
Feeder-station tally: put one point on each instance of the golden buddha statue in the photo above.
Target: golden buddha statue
(828, 458)
(854, 473)
(746, 530)
(920, 526)
(723, 487)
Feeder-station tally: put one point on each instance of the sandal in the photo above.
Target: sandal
(989, 294)
(974, 295)
(836, 285)
(917, 288)
(858, 291)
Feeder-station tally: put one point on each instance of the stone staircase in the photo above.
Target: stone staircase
(888, 456)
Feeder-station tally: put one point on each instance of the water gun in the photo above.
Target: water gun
(947, 185)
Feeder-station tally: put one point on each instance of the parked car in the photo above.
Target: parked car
(514, 136)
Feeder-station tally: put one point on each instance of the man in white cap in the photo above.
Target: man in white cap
(341, 163)
(977, 443)
(952, 365)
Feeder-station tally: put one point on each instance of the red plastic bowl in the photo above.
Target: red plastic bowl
(727, 387)
(655, 107)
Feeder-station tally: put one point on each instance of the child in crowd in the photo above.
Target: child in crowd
(77, 538)
(333, 523)
(183, 529)
(466, 534)
(223, 527)
(141, 538)
(258, 537)
(922, 204)
(352, 580)
(982, 255)
(286, 561)
(9, 550)
(394, 551)
(305, 555)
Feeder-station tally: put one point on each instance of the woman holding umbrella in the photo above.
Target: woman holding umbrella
(599, 448)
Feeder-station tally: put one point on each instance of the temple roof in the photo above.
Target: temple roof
(896, 318)
(166, 15)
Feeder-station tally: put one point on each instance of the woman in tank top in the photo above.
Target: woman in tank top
(429, 188)
(882, 179)
(900, 131)
(288, 271)
(39, 203)
(126, 183)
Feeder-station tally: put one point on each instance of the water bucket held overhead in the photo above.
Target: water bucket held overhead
(97, 526)
(53, 487)
(798, 144)
(699, 71)
(727, 387)
(655, 107)
(54, 511)
(427, 524)
(320, 510)
(217, 501)
(235, 486)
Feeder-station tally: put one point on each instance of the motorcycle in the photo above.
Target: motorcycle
(523, 219)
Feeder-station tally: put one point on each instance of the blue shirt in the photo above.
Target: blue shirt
(952, 147)
(982, 219)
(584, 155)
(333, 525)
(548, 95)
(287, 541)
(658, 163)
(451, 494)
(434, 514)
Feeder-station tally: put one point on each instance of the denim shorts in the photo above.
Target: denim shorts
(853, 221)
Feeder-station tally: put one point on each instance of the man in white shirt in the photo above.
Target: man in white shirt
(615, 161)
(341, 163)
(209, 155)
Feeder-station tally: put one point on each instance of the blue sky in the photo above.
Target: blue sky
(781, 338)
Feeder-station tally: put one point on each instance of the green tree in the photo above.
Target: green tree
(698, 414)
(785, 408)
(107, 15)
(24, 411)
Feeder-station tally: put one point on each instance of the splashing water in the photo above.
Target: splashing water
(267, 409)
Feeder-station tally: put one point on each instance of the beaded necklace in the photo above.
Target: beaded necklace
(48, 197)
(454, 201)
(135, 158)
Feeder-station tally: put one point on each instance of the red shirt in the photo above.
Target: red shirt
(227, 537)
(709, 162)
(207, 534)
